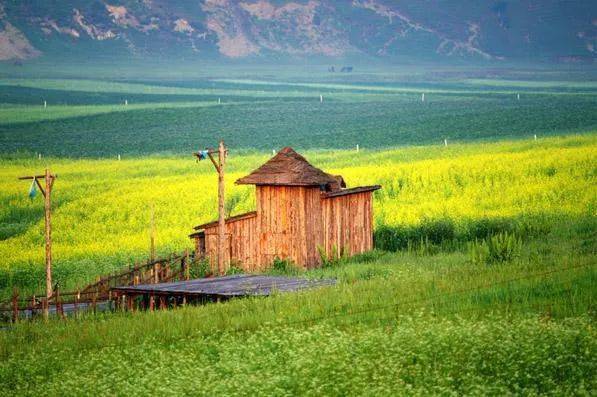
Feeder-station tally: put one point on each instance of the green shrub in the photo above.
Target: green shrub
(200, 268)
(389, 238)
(235, 268)
(437, 231)
(500, 248)
(429, 232)
(433, 235)
(422, 247)
(284, 266)
(334, 257)
(367, 257)
(483, 228)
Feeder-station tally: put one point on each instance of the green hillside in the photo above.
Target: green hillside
(88, 118)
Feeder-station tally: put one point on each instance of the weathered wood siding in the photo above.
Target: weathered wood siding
(200, 246)
(348, 224)
(241, 243)
(289, 224)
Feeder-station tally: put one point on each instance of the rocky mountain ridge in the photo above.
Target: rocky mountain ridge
(274, 29)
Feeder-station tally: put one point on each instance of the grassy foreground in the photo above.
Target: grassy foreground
(394, 324)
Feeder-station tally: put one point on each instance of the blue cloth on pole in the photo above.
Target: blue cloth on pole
(33, 190)
(203, 154)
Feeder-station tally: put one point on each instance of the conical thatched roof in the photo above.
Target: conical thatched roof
(288, 168)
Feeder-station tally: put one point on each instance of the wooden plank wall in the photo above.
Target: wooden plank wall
(291, 223)
(200, 246)
(348, 223)
(241, 236)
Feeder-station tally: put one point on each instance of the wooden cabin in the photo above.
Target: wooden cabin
(301, 211)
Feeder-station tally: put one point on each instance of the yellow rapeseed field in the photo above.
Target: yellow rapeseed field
(102, 207)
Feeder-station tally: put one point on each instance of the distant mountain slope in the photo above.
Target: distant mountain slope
(276, 29)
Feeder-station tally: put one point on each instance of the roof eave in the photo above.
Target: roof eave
(354, 190)
(197, 234)
(304, 184)
(235, 218)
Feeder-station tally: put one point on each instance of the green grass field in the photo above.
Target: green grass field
(398, 324)
(483, 281)
(87, 118)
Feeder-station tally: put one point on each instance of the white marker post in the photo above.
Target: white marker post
(445, 142)
(219, 101)
(535, 136)
(357, 147)
(126, 102)
(423, 97)
(518, 97)
(118, 157)
(321, 98)
(39, 156)
(273, 152)
(45, 104)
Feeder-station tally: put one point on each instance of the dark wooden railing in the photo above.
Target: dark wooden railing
(172, 268)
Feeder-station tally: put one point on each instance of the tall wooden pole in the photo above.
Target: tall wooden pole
(46, 191)
(219, 166)
(47, 211)
(152, 235)
(221, 215)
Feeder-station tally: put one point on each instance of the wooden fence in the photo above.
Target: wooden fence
(176, 267)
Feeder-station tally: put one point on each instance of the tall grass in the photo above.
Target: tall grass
(493, 356)
(396, 323)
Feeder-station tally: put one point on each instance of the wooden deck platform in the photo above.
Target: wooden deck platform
(224, 287)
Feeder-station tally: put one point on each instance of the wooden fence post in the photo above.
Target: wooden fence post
(77, 297)
(187, 269)
(94, 302)
(45, 306)
(15, 305)
(152, 234)
(33, 304)
(129, 302)
(59, 308)
(156, 273)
